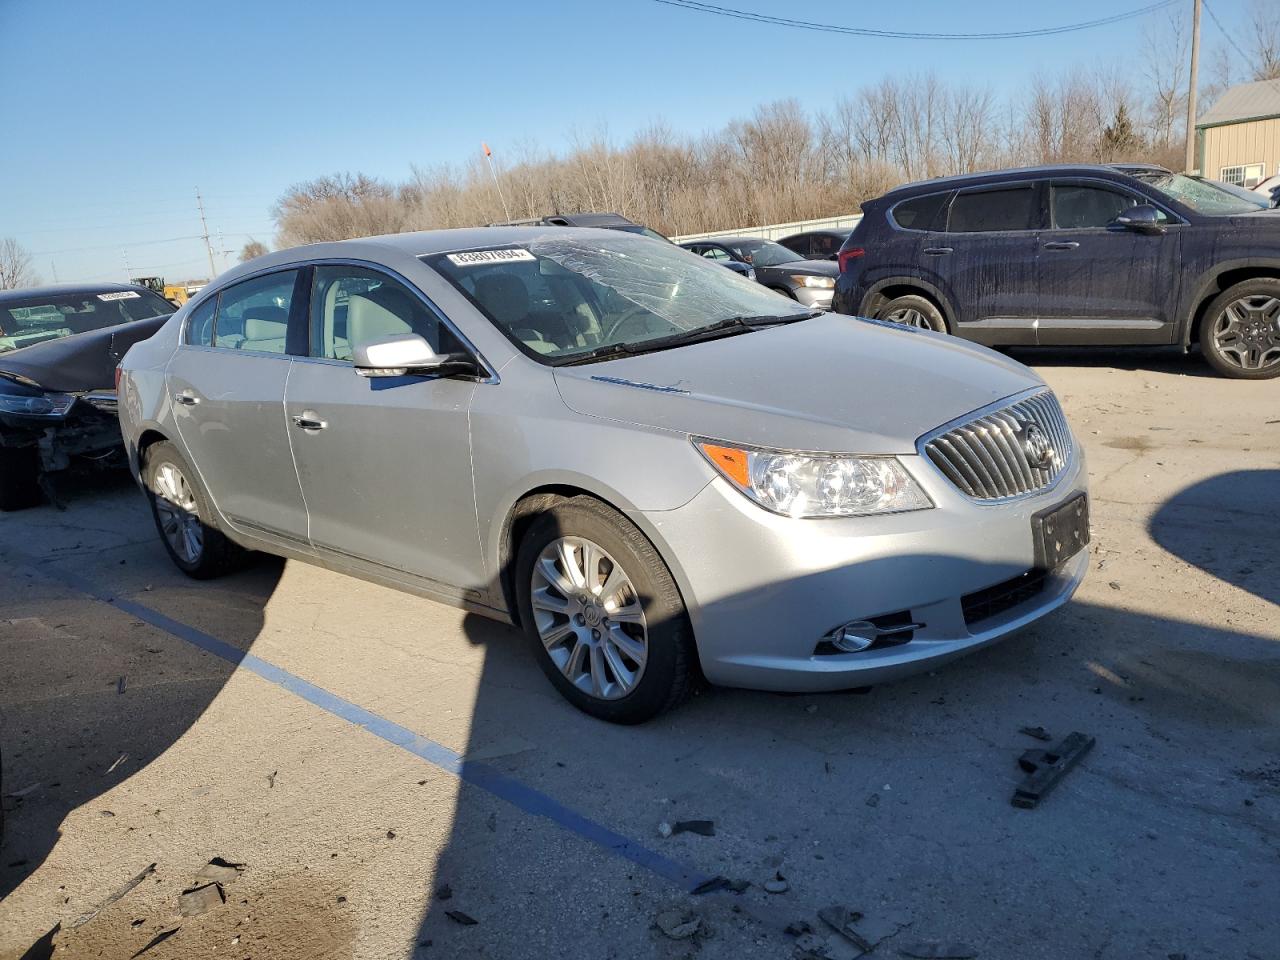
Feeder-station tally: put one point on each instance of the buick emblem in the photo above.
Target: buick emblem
(1036, 446)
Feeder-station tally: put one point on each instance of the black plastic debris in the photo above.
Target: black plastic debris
(704, 828)
(444, 892)
(120, 685)
(1039, 733)
(201, 899)
(1045, 768)
(457, 916)
(937, 950)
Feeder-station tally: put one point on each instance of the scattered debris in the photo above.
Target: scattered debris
(85, 918)
(938, 950)
(492, 823)
(1113, 585)
(457, 916)
(678, 924)
(799, 928)
(106, 813)
(665, 830)
(873, 800)
(340, 899)
(1044, 768)
(811, 708)
(710, 885)
(391, 834)
(739, 886)
(120, 685)
(1040, 733)
(155, 941)
(705, 828)
(19, 794)
(445, 892)
(119, 760)
(777, 885)
(271, 779)
(863, 932)
(220, 870)
(198, 900)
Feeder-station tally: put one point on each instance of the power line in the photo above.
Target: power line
(734, 13)
(1231, 41)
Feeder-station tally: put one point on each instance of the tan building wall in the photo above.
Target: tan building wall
(1233, 144)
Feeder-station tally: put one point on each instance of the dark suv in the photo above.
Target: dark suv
(1073, 254)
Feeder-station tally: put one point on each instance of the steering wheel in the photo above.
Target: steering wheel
(636, 314)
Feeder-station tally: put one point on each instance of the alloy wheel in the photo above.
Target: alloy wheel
(1247, 332)
(587, 613)
(175, 504)
(909, 316)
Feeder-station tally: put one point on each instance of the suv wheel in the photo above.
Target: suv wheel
(179, 506)
(604, 614)
(913, 310)
(1240, 332)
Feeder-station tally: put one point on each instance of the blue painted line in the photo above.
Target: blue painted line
(481, 775)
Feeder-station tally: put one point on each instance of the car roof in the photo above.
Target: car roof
(821, 231)
(728, 240)
(68, 289)
(1013, 173)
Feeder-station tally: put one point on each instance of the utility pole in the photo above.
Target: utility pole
(213, 271)
(54, 267)
(1191, 88)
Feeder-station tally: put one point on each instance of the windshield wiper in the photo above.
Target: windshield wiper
(728, 327)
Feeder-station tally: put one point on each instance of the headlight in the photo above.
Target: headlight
(45, 405)
(817, 485)
(821, 283)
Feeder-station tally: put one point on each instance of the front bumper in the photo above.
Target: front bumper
(762, 590)
(814, 297)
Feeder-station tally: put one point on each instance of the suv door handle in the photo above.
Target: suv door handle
(937, 251)
(309, 421)
(186, 398)
(1061, 245)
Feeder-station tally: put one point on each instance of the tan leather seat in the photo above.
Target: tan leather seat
(377, 314)
(506, 299)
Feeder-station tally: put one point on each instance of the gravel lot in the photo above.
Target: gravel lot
(328, 761)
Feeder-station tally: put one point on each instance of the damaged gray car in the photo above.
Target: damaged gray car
(59, 347)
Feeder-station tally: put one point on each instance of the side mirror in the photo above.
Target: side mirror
(1275, 196)
(1143, 218)
(398, 355)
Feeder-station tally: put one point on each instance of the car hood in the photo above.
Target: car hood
(83, 361)
(812, 268)
(833, 383)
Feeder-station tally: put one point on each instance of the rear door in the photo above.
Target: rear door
(385, 463)
(988, 260)
(226, 382)
(1101, 283)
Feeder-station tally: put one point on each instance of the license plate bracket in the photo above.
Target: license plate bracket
(1060, 532)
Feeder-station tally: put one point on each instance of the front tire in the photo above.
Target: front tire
(605, 617)
(913, 310)
(19, 477)
(1240, 332)
(180, 509)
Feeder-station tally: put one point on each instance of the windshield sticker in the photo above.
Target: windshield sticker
(475, 257)
(122, 295)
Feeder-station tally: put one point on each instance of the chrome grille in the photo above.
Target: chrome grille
(992, 455)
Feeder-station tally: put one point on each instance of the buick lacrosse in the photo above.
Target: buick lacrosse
(658, 469)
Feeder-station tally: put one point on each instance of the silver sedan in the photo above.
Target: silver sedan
(659, 470)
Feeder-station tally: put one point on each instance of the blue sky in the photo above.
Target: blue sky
(115, 112)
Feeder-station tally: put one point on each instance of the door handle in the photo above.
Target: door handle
(936, 251)
(309, 421)
(186, 398)
(1061, 245)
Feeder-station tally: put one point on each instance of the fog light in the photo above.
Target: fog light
(854, 636)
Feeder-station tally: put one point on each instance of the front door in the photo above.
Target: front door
(226, 383)
(987, 259)
(1101, 283)
(385, 463)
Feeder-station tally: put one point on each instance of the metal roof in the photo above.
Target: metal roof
(1246, 101)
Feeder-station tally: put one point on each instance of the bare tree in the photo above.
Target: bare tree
(1166, 49)
(15, 266)
(252, 249)
(1264, 28)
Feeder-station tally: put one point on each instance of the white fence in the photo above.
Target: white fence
(775, 231)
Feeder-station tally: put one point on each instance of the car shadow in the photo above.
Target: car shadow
(1247, 561)
(1154, 359)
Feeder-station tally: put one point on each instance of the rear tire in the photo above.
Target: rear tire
(640, 661)
(180, 510)
(1240, 331)
(913, 310)
(20, 478)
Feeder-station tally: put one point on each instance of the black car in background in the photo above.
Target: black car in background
(809, 281)
(59, 347)
(1074, 254)
(816, 244)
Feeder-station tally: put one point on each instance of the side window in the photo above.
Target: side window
(353, 305)
(824, 246)
(716, 253)
(200, 323)
(1076, 206)
(919, 213)
(802, 244)
(987, 211)
(254, 315)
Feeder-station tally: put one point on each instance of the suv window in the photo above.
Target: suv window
(200, 323)
(254, 314)
(986, 211)
(353, 305)
(1076, 206)
(919, 213)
